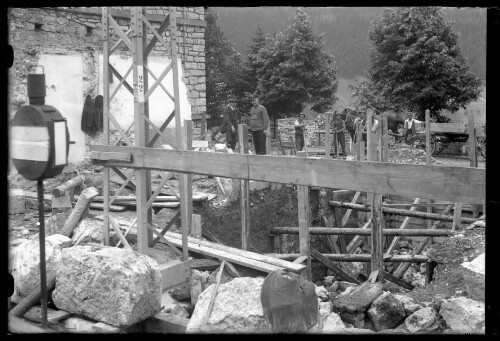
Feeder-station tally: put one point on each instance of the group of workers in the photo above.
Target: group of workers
(257, 121)
(350, 124)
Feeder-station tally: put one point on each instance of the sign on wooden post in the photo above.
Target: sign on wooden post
(304, 219)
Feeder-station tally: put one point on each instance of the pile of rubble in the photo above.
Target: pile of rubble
(406, 154)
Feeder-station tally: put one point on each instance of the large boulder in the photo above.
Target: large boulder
(116, 286)
(386, 312)
(425, 320)
(237, 308)
(463, 315)
(351, 307)
(26, 262)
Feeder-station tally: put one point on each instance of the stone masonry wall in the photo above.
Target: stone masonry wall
(64, 30)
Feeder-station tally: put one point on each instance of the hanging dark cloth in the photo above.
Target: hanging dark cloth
(98, 107)
(88, 125)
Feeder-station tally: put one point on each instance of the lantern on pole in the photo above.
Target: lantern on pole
(39, 147)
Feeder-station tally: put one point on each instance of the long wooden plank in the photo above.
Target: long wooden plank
(35, 314)
(357, 240)
(247, 254)
(244, 190)
(362, 231)
(338, 271)
(377, 235)
(304, 221)
(361, 257)
(439, 182)
(396, 211)
(230, 257)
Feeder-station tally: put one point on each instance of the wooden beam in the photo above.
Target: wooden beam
(345, 219)
(360, 257)
(304, 221)
(388, 276)
(403, 267)
(408, 213)
(327, 135)
(357, 240)
(166, 228)
(244, 190)
(439, 182)
(338, 271)
(171, 236)
(377, 236)
(427, 137)
(457, 216)
(196, 225)
(230, 257)
(362, 231)
(404, 224)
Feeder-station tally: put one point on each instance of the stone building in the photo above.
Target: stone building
(68, 43)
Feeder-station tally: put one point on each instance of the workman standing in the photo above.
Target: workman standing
(231, 117)
(409, 128)
(299, 126)
(338, 129)
(259, 121)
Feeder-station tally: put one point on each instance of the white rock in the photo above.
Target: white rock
(26, 262)
(333, 324)
(463, 315)
(79, 325)
(321, 292)
(116, 286)
(477, 265)
(237, 308)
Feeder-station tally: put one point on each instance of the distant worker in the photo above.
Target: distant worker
(231, 117)
(338, 129)
(299, 126)
(259, 122)
(361, 118)
(409, 128)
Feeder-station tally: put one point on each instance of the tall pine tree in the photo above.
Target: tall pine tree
(416, 63)
(224, 71)
(293, 69)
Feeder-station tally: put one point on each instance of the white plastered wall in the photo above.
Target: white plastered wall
(160, 105)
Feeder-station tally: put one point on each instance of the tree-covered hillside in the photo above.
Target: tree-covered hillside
(346, 31)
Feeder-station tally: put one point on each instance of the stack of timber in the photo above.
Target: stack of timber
(121, 203)
(233, 255)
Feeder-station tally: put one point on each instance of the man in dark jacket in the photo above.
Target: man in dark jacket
(260, 126)
(231, 118)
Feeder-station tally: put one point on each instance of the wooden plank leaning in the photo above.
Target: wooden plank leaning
(399, 272)
(304, 220)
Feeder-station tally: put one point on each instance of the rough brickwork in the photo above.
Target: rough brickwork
(69, 30)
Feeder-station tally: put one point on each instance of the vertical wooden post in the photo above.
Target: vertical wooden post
(304, 220)
(360, 143)
(244, 190)
(457, 216)
(188, 124)
(184, 183)
(427, 137)
(105, 121)
(369, 136)
(327, 135)
(377, 246)
(380, 139)
(385, 127)
(472, 139)
(428, 156)
(338, 222)
(203, 122)
(141, 129)
(196, 225)
(372, 197)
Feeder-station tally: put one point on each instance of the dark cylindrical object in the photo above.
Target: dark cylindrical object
(43, 275)
(36, 88)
